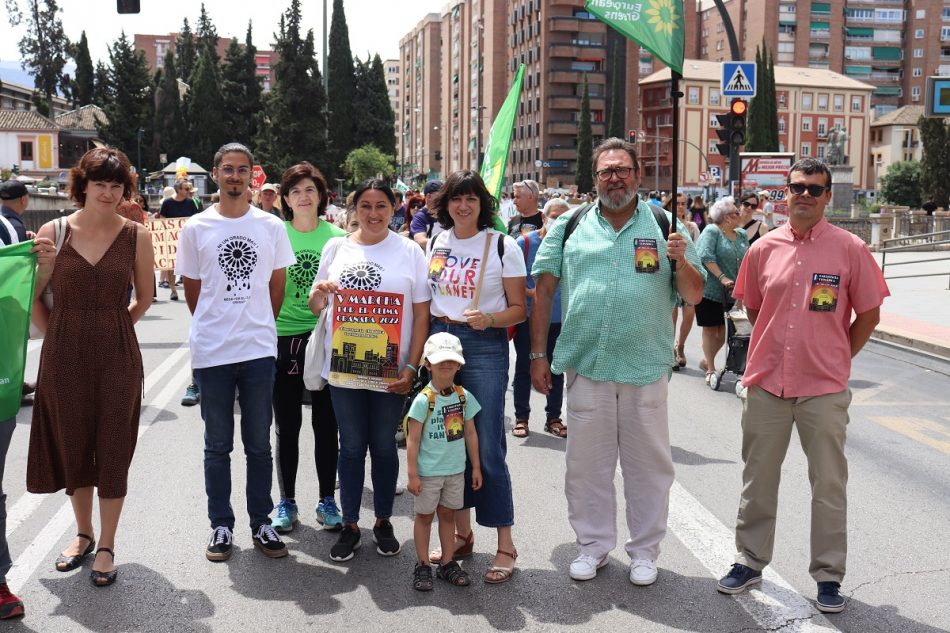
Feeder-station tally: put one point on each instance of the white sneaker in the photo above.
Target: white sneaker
(400, 486)
(585, 567)
(643, 572)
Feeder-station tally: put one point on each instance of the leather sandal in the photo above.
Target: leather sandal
(496, 574)
(521, 429)
(453, 574)
(462, 551)
(65, 562)
(680, 356)
(555, 427)
(104, 578)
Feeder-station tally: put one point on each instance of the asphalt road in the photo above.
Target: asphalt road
(899, 561)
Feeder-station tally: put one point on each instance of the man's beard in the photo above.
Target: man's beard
(617, 199)
(235, 193)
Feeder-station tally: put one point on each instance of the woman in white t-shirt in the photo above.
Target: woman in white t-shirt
(375, 281)
(477, 276)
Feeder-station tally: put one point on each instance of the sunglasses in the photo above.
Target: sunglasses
(814, 191)
(751, 205)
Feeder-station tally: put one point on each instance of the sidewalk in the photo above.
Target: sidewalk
(917, 314)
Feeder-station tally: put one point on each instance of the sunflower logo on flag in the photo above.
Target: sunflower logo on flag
(663, 17)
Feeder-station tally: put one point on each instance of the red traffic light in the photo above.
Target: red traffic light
(738, 107)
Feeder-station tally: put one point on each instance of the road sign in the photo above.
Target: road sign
(258, 177)
(714, 173)
(738, 79)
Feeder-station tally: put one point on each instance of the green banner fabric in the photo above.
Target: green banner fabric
(17, 275)
(656, 25)
(499, 139)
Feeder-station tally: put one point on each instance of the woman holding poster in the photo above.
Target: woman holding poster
(303, 192)
(477, 276)
(375, 282)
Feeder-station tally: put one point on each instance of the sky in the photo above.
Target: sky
(375, 26)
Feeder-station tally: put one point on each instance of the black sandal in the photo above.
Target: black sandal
(69, 563)
(454, 574)
(422, 577)
(104, 578)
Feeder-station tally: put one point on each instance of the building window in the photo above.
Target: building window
(838, 101)
(915, 93)
(822, 127)
(806, 149)
(857, 103)
(918, 34)
(719, 45)
(693, 95)
(918, 52)
(781, 125)
(714, 96)
(781, 100)
(26, 150)
(917, 72)
(806, 101)
(921, 14)
(822, 102)
(806, 124)
(821, 151)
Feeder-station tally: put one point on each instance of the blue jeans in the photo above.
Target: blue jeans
(521, 385)
(6, 434)
(254, 382)
(485, 375)
(367, 419)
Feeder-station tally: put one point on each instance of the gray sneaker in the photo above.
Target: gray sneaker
(192, 396)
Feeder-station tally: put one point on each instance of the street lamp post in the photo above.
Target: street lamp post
(138, 138)
(478, 135)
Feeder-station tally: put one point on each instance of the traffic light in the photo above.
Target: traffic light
(632, 136)
(127, 6)
(724, 133)
(738, 109)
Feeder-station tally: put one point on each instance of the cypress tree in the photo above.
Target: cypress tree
(935, 161)
(615, 123)
(773, 105)
(293, 125)
(207, 130)
(340, 86)
(376, 124)
(207, 35)
(583, 176)
(169, 122)
(756, 126)
(130, 102)
(102, 91)
(84, 86)
(185, 51)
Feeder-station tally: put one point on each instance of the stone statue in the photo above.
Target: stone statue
(837, 146)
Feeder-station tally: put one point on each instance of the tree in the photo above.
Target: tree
(773, 101)
(129, 106)
(207, 128)
(615, 123)
(293, 126)
(935, 162)
(901, 184)
(368, 162)
(583, 176)
(169, 127)
(185, 52)
(762, 123)
(340, 84)
(241, 89)
(102, 91)
(44, 47)
(84, 86)
(207, 35)
(376, 123)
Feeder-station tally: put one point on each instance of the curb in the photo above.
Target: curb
(918, 342)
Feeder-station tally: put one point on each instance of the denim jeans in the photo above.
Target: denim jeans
(6, 434)
(254, 382)
(485, 375)
(367, 419)
(521, 385)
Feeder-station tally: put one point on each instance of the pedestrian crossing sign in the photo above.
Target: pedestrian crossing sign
(738, 79)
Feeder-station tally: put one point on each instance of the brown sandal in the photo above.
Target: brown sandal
(555, 427)
(521, 429)
(503, 573)
(462, 551)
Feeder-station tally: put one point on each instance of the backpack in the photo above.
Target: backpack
(430, 394)
(582, 210)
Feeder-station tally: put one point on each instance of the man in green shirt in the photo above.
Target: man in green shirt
(617, 292)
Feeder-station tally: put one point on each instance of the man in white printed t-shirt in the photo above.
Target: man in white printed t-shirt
(233, 259)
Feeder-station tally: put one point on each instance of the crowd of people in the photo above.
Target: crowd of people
(265, 283)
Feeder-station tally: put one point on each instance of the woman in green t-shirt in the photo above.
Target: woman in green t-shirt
(303, 193)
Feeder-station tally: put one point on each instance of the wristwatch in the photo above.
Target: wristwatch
(537, 355)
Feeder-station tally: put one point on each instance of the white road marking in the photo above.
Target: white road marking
(774, 604)
(39, 549)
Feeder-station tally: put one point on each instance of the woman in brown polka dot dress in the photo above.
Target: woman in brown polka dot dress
(86, 413)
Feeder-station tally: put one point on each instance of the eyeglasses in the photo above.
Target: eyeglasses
(620, 172)
(814, 191)
(751, 205)
(229, 171)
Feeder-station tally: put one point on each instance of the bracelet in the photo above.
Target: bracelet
(721, 275)
(414, 369)
(491, 319)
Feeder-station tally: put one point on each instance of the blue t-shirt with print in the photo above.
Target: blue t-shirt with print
(442, 446)
(533, 240)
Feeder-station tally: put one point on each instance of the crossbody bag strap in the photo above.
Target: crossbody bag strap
(481, 270)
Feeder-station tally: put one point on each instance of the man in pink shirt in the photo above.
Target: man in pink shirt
(800, 285)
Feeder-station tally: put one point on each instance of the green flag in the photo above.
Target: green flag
(17, 275)
(656, 25)
(499, 139)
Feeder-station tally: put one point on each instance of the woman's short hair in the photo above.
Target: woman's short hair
(294, 175)
(377, 184)
(747, 194)
(464, 182)
(670, 202)
(717, 212)
(555, 202)
(102, 164)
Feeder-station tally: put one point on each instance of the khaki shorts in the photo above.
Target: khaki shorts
(447, 491)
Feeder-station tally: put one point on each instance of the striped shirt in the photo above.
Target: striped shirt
(617, 296)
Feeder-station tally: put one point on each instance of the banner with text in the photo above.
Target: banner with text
(366, 329)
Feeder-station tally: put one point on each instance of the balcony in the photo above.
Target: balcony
(574, 51)
(561, 152)
(576, 77)
(570, 24)
(567, 127)
(819, 34)
(885, 77)
(570, 102)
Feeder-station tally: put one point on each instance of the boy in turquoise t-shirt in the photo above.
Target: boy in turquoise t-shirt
(439, 416)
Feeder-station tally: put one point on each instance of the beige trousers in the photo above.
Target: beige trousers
(609, 421)
(766, 430)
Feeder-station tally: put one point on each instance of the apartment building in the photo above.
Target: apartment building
(894, 137)
(891, 44)
(811, 102)
(420, 110)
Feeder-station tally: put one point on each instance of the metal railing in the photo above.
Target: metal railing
(914, 242)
